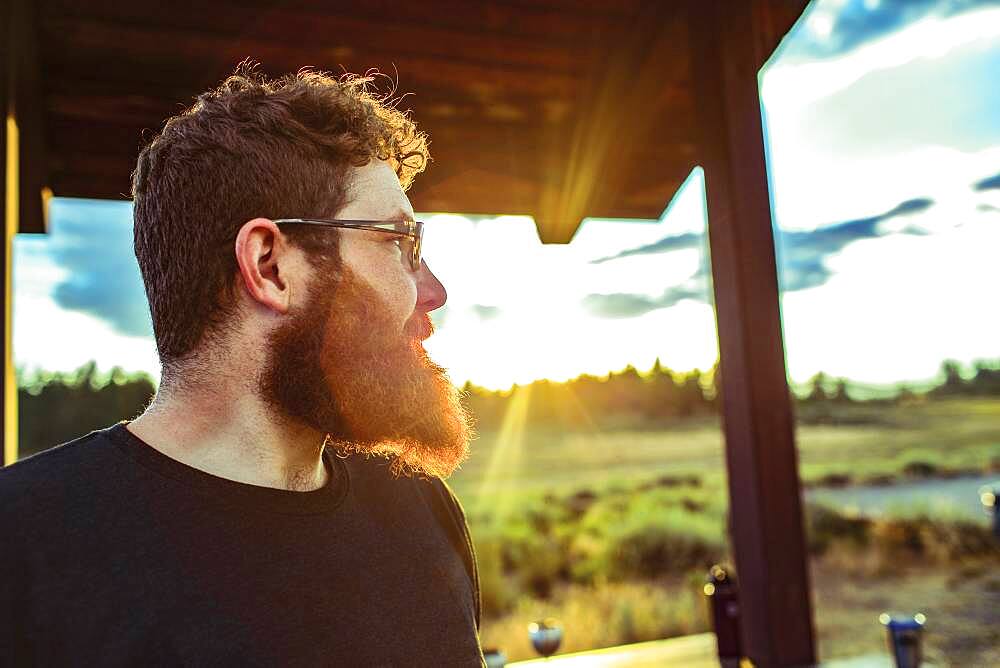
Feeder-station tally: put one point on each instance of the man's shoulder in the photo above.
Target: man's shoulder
(56, 466)
(377, 472)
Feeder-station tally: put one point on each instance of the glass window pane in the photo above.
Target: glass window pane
(884, 146)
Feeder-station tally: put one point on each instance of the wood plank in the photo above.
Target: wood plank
(325, 28)
(532, 20)
(26, 100)
(586, 136)
(80, 138)
(85, 44)
(90, 187)
(765, 496)
(91, 176)
(619, 117)
(603, 9)
(774, 19)
(77, 106)
(450, 113)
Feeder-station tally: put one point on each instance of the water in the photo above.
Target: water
(953, 498)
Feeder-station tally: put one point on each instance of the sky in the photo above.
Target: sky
(883, 147)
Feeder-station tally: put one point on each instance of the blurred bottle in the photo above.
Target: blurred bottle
(494, 658)
(546, 636)
(723, 598)
(905, 636)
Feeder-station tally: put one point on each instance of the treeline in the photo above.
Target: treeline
(631, 398)
(55, 407)
(58, 407)
(625, 398)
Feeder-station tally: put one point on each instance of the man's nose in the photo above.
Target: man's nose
(430, 292)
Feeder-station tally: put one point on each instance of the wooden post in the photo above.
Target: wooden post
(28, 110)
(9, 209)
(726, 41)
(10, 201)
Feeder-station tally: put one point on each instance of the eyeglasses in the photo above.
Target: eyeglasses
(411, 232)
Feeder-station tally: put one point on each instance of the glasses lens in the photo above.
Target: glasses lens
(406, 251)
(418, 242)
(411, 243)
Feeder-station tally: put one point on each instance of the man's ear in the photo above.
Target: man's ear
(262, 254)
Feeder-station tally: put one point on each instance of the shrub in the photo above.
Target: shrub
(898, 540)
(649, 540)
(497, 593)
(825, 526)
(920, 469)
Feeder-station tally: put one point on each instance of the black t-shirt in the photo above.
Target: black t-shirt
(112, 553)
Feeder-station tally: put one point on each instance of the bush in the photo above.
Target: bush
(826, 526)
(898, 540)
(659, 548)
(920, 469)
(497, 593)
(648, 539)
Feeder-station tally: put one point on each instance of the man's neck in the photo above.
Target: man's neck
(236, 438)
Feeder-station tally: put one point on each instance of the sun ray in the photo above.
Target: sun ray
(494, 497)
(581, 408)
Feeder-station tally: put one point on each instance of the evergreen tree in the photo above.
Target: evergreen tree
(953, 382)
(987, 378)
(817, 392)
(840, 394)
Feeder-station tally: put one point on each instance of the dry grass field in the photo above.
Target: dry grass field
(609, 530)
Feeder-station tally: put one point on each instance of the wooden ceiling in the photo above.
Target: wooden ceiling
(560, 109)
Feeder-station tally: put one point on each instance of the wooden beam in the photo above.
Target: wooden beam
(773, 20)
(99, 160)
(170, 54)
(591, 169)
(405, 24)
(326, 27)
(765, 496)
(8, 200)
(28, 110)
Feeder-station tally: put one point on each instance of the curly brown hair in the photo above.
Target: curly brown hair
(251, 148)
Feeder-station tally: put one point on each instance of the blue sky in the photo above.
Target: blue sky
(884, 155)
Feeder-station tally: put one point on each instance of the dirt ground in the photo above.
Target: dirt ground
(962, 606)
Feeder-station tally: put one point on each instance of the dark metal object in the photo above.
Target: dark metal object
(728, 43)
(723, 597)
(904, 636)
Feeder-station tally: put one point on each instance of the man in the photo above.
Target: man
(255, 513)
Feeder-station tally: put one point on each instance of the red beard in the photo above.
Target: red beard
(341, 366)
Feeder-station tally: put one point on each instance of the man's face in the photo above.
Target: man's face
(349, 360)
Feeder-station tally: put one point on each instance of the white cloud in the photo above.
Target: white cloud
(898, 306)
(795, 85)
